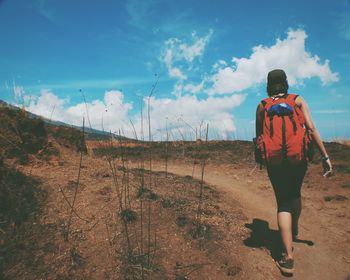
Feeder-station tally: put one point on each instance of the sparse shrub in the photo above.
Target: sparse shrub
(152, 195)
(336, 197)
(48, 152)
(144, 192)
(128, 215)
(32, 133)
(181, 220)
(105, 151)
(201, 231)
(141, 191)
(167, 203)
(76, 259)
(233, 270)
(69, 137)
(105, 190)
(72, 185)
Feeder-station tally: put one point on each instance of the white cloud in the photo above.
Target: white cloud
(190, 52)
(175, 72)
(181, 88)
(288, 54)
(219, 64)
(48, 104)
(112, 109)
(178, 54)
(185, 113)
(194, 89)
(178, 88)
(182, 112)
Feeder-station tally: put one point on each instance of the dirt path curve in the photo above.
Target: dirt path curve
(327, 259)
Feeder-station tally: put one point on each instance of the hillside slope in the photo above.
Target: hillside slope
(182, 210)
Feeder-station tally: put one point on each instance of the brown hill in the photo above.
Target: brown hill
(179, 210)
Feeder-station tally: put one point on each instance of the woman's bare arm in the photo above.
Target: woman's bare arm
(312, 129)
(259, 120)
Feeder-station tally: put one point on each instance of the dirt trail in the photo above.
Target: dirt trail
(324, 253)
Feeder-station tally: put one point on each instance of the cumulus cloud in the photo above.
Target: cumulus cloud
(175, 72)
(47, 104)
(190, 52)
(288, 54)
(194, 88)
(184, 114)
(112, 111)
(177, 53)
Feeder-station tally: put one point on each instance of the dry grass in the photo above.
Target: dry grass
(342, 141)
(93, 144)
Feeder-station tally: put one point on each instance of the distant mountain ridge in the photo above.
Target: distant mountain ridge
(91, 133)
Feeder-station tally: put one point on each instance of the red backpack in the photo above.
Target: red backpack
(285, 137)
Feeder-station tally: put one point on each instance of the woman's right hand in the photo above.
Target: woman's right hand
(327, 167)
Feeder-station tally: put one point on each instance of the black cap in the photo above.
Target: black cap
(276, 76)
(277, 82)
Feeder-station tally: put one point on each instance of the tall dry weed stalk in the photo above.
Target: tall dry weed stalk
(142, 238)
(120, 190)
(166, 150)
(183, 142)
(66, 235)
(86, 107)
(203, 163)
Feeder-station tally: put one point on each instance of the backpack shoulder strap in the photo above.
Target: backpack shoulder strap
(292, 97)
(266, 101)
(299, 114)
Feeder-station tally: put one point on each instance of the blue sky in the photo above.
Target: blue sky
(210, 59)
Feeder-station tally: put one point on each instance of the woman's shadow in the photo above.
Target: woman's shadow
(261, 236)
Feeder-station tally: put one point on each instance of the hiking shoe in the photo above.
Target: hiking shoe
(286, 265)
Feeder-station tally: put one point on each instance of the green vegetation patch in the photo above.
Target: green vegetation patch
(20, 204)
(69, 137)
(20, 135)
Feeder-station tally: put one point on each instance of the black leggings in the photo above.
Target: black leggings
(286, 180)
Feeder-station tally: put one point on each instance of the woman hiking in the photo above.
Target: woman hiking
(284, 130)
